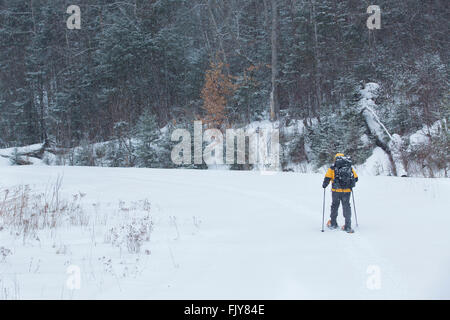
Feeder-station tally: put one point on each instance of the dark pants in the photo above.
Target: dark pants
(337, 198)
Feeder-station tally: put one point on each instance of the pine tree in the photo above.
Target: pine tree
(147, 133)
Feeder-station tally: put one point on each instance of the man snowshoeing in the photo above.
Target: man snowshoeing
(343, 178)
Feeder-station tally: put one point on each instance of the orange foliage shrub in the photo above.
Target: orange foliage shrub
(218, 88)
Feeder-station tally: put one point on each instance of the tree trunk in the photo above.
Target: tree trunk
(219, 35)
(274, 102)
(316, 111)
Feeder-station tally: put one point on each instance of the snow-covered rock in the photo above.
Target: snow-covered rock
(423, 135)
(377, 164)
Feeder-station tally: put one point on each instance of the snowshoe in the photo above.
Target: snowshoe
(348, 229)
(332, 226)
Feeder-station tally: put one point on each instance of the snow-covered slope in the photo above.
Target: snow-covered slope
(237, 235)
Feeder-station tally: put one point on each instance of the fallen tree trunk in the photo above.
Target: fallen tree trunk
(376, 128)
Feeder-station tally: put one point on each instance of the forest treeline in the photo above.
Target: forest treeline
(137, 65)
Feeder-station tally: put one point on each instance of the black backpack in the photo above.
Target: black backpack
(343, 173)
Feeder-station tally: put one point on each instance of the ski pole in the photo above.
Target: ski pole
(323, 211)
(354, 207)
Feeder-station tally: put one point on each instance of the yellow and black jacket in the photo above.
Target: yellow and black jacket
(329, 176)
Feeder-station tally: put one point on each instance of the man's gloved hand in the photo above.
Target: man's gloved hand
(324, 184)
(354, 185)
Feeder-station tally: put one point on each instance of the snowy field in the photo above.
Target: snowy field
(224, 235)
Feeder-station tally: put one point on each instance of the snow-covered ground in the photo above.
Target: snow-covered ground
(230, 235)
